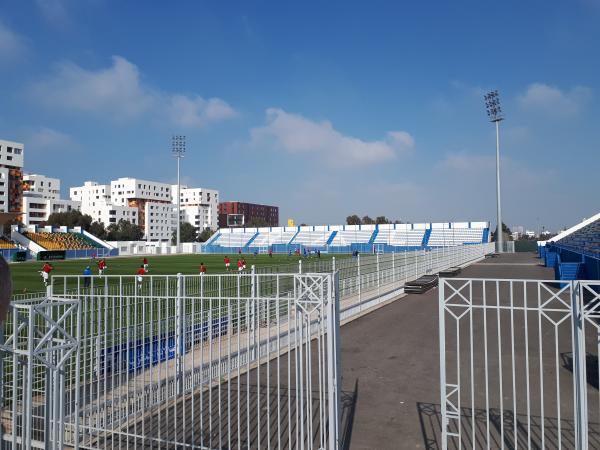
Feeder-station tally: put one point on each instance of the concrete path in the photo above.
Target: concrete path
(391, 359)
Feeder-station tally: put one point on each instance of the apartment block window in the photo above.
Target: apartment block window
(9, 149)
(9, 158)
(18, 151)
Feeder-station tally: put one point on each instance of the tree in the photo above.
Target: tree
(73, 218)
(505, 232)
(187, 233)
(205, 235)
(98, 230)
(124, 231)
(353, 220)
(366, 220)
(382, 220)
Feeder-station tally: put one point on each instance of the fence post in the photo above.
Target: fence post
(180, 338)
(300, 266)
(253, 311)
(333, 264)
(359, 281)
(393, 266)
(442, 337)
(333, 362)
(579, 367)
(378, 275)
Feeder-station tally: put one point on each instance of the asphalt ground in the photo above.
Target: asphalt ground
(390, 361)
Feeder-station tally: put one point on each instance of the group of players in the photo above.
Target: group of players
(47, 268)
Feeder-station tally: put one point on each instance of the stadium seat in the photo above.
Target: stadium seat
(6, 244)
(584, 240)
(442, 237)
(61, 241)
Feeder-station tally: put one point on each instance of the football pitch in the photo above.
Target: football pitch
(26, 277)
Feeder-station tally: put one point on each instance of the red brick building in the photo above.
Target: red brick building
(238, 214)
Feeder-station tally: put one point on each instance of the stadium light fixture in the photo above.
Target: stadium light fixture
(495, 114)
(178, 149)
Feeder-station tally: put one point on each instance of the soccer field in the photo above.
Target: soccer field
(26, 277)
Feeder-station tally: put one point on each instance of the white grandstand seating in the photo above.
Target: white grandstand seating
(312, 238)
(234, 239)
(347, 237)
(400, 237)
(454, 236)
(277, 236)
(395, 235)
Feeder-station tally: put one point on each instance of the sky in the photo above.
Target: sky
(325, 109)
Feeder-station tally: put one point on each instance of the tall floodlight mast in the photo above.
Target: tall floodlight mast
(494, 112)
(178, 149)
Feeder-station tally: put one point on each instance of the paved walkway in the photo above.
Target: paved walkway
(391, 358)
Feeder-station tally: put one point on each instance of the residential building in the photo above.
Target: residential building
(237, 214)
(41, 197)
(199, 206)
(146, 203)
(11, 176)
(46, 187)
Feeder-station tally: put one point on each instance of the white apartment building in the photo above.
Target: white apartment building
(11, 176)
(41, 197)
(199, 206)
(145, 203)
(96, 201)
(46, 187)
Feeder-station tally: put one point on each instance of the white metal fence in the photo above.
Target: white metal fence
(207, 361)
(215, 361)
(368, 280)
(519, 363)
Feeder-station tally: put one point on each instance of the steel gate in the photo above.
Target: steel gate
(198, 362)
(519, 363)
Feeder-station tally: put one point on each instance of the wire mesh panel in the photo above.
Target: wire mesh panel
(515, 361)
(220, 361)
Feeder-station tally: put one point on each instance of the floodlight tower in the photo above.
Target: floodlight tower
(178, 149)
(494, 112)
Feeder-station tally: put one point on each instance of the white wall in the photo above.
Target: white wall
(42, 185)
(38, 209)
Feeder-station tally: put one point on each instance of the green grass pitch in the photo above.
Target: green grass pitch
(26, 277)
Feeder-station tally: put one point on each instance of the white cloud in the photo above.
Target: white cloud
(294, 133)
(116, 90)
(462, 161)
(119, 92)
(43, 139)
(197, 112)
(11, 44)
(552, 101)
(53, 10)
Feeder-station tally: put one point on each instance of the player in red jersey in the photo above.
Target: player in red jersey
(140, 275)
(145, 262)
(101, 266)
(227, 262)
(45, 272)
(239, 265)
(202, 268)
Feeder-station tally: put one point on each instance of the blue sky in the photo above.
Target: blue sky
(323, 108)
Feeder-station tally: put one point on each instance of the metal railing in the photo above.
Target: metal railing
(519, 363)
(204, 361)
(219, 361)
